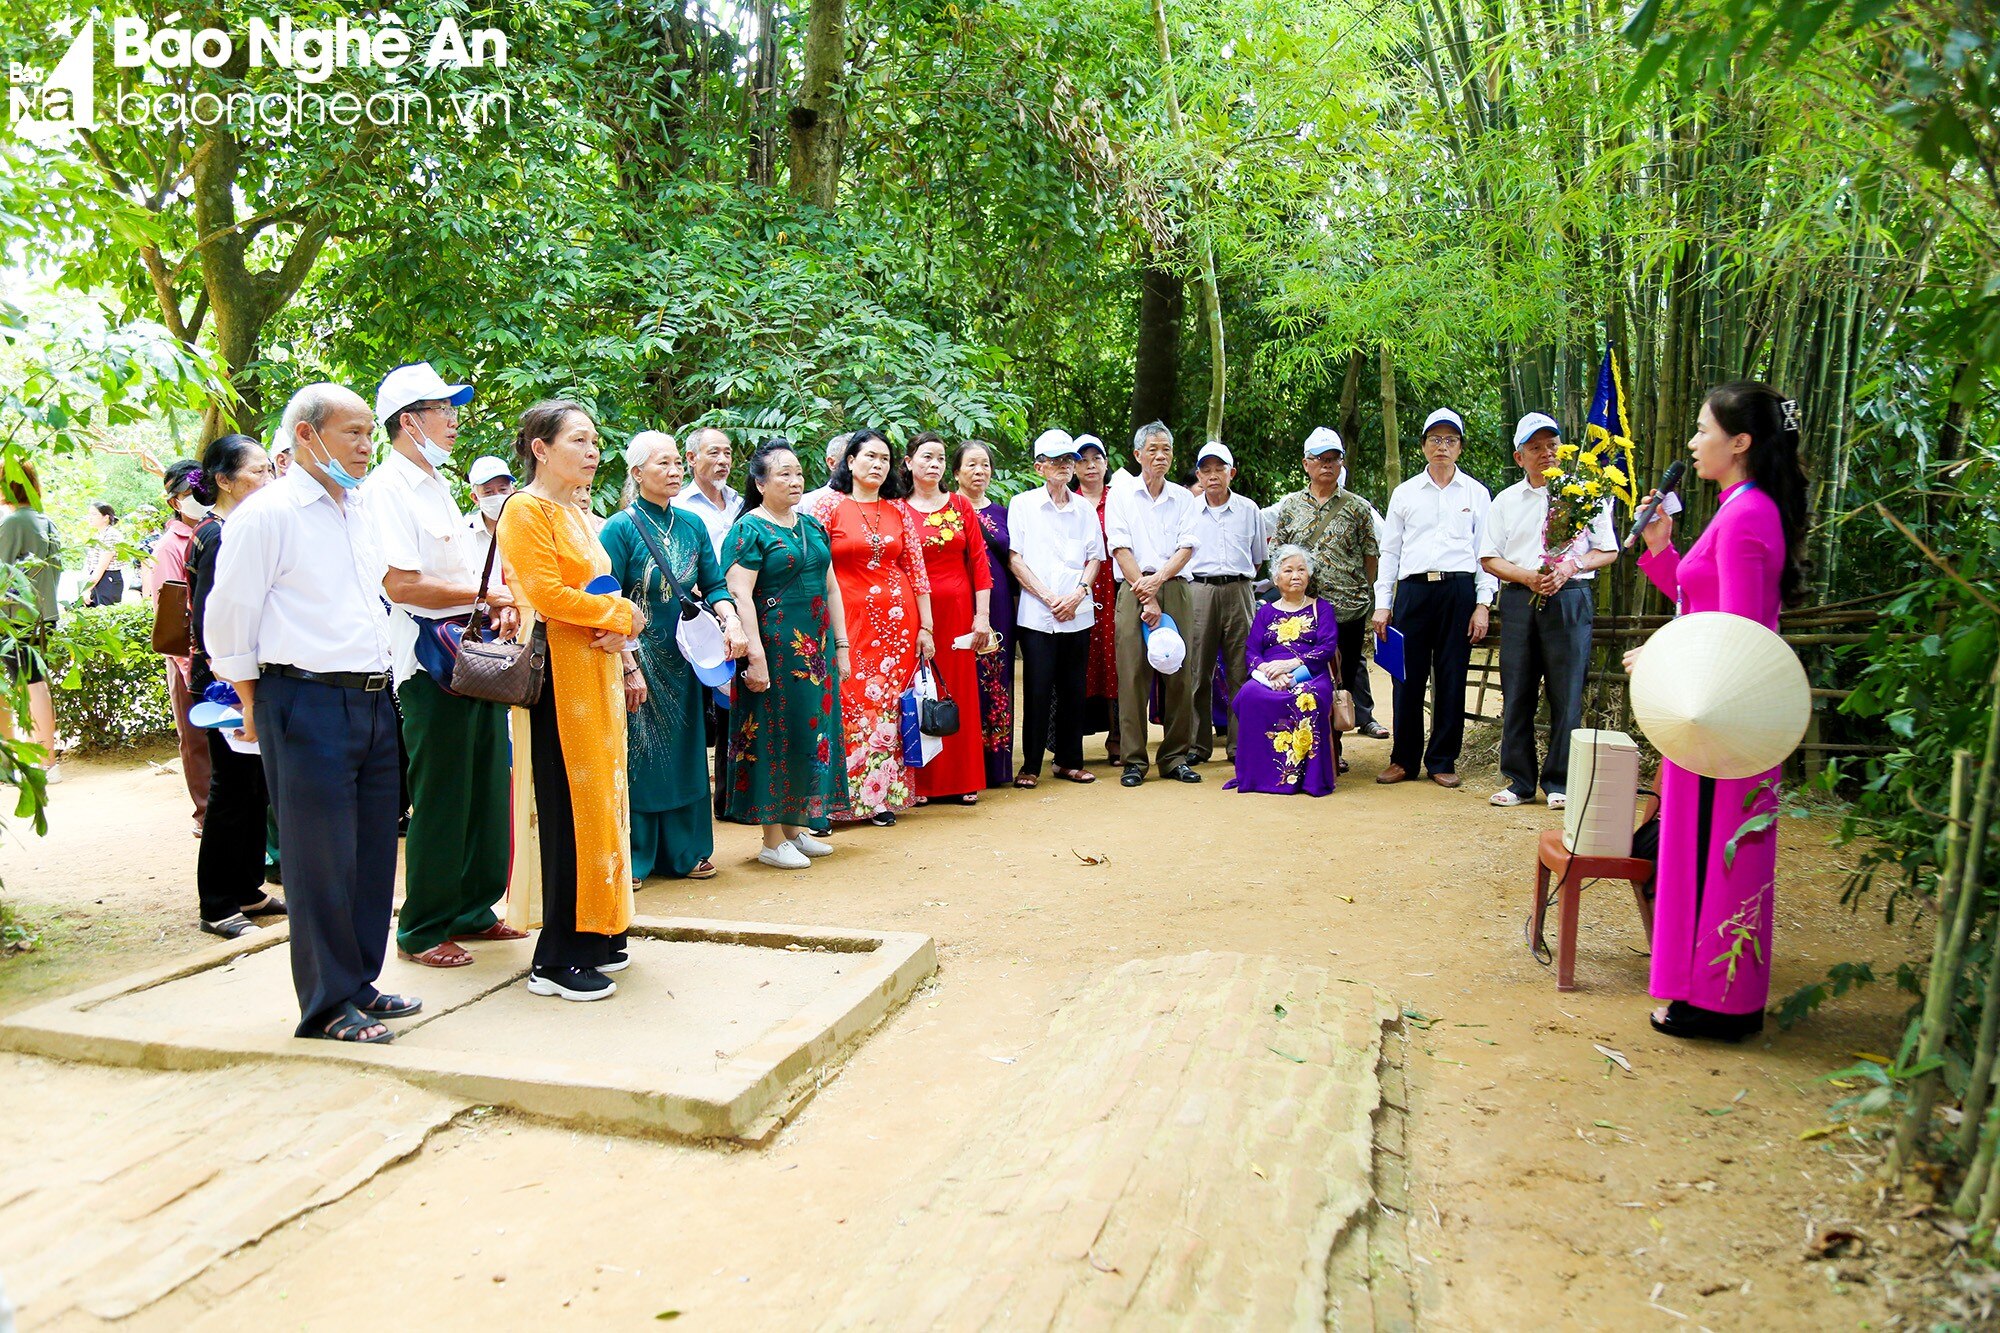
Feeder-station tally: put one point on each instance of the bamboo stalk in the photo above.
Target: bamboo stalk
(1953, 923)
(1979, 1088)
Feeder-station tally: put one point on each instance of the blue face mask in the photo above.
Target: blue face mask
(336, 472)
(436, 455)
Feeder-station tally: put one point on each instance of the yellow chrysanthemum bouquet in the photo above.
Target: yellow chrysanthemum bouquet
(1578, 485)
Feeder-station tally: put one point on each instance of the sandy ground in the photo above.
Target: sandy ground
(1551, 1188)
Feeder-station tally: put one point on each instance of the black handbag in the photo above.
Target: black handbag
(939, 716)
(501, 671)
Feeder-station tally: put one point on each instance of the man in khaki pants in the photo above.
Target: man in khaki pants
(1150, 530)
(1221, 593)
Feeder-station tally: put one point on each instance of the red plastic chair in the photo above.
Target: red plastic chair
(1571, 873)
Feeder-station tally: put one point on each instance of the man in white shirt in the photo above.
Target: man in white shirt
(1056, 547)
(456, 856)
(710, 498)
(1150, 529)
(1545, 613)
(295, 622)
(492, 481)
(1430, 584)
(1229, 549)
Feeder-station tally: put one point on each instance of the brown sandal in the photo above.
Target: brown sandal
(1026, 781)
(438, 955)
(1076, 775)
(499, 930)
(704, 869)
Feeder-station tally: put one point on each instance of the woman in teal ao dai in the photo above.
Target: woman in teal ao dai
(672, 832)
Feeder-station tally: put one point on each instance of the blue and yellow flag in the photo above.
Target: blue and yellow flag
(1609, 432)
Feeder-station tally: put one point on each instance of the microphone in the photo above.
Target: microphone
(1670, 482)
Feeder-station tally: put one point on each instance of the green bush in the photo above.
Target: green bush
(111, 687)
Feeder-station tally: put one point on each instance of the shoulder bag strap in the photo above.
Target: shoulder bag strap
(475, 623)
(643, 522)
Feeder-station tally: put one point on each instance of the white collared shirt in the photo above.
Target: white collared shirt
(1431, 527)
(299, 582)
(1230, 537)
(1517, 519)
(1153, 529)
(716, 518)
(1056, 543)
(418, 530)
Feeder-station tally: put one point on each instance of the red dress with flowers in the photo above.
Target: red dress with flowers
(877, 558)
(955, 559)
(1100, 679)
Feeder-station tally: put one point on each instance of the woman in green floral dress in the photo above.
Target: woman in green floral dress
(673, 833)
(787, 765)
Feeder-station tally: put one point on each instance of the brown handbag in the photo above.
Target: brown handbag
(172, 633)
(1341, 716)
(501, 671)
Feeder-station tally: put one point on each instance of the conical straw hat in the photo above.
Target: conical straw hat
(1720, 695)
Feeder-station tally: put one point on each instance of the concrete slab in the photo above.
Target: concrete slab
(713, 1033)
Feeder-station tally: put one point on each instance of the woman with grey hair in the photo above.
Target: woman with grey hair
(1286, 742)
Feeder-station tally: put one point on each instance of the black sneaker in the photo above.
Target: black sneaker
(571, 983)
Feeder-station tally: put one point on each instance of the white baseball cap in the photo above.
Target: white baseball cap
(1447, 415)
(416, 383)
(282, 444)
(1215, 449)
(1166, 650)
(1324, 441)
(1091, 442)
(1525, 428)
(485, 468)
(1053, 444)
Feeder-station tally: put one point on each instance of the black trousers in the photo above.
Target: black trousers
(330, 765)
(561, 944)
(229, 868)
(715, 719)
(1435, 619)
(1053, 668)
(1354, 668)
(1549, 646)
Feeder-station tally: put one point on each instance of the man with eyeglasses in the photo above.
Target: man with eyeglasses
(455, 860)
(1432, 587)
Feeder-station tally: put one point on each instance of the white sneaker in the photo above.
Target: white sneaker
(1557, 800)
(812, 846)
(52, 774)
(785, 857)
(1506, 796)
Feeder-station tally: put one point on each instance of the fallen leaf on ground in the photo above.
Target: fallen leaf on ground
(1002, 1059)
(1343, 897)
(1295, 1059)
(1820, 1132)
(668, 1314)
(1102, 858)
(1837, 1243)
(1870, 1057)
(1419, 1017)
(1279, 1010)
(1615, 1057)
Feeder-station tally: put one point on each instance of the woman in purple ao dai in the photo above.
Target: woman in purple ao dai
(1284, 739)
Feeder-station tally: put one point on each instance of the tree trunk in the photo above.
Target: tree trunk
(817, 120)
(1156, 358)
(762, 90)
(1211, 296)
(1350, 392)
(1392, 457)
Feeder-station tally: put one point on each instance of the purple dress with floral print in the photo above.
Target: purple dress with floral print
(1285, 742)
(996, 669)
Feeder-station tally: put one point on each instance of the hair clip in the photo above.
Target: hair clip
(1790, 409)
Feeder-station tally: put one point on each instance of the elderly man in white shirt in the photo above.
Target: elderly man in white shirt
(710, 498)
(1056, 547)
(1229, 549)
(456, 856)
(1546, 610)
(492, 481)
(835, 448)
(1430, 585)
(295, 623)
(1151, 529)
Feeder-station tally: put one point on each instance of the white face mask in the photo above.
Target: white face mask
(490, 505)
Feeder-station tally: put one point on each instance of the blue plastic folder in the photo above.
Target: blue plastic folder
(1389, 652)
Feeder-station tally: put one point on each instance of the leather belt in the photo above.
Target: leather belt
(1437, 575)
(371, 681)
(1220, 578)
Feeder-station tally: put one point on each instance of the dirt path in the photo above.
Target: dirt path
(1547, 1187)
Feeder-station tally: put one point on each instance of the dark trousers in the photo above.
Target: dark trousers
(716, 719)
(330, 766)
(1354, 668)
(561, 944)
(1435, 620)
(229, 868)
(1549, 647)
(455, 859)
(1053, 669)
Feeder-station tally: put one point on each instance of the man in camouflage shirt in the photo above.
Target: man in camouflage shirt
(1338, 528)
